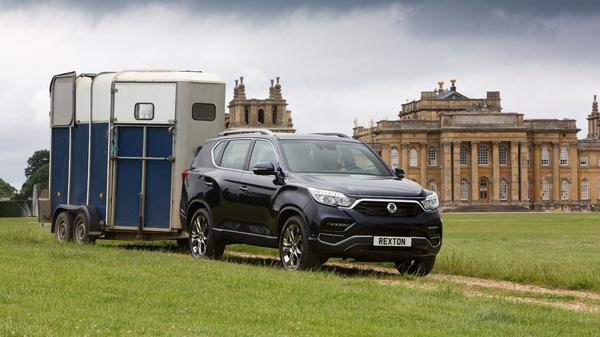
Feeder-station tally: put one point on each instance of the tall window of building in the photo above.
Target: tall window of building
(545, 156)
(483, 188)
(503, 154)
(564, 156)
(274, 114)
(412, 157)
(261, 116)
(463, 154)
(246, 114)
(564, 189)
(546, 189)
(432, 156)
(585, 189)
(394, 156)
(432, 185)
(529, 190)
(482, 155)
(529, 157)
(464, 190)
(583, 161)
(503, 189)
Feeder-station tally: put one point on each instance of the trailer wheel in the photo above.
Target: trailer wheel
(202, 241)
(63, 227)
(82, 229)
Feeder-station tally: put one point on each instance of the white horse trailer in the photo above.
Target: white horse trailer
(119, 141)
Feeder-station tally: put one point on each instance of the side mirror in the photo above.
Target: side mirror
(264, 169)
(399, 173)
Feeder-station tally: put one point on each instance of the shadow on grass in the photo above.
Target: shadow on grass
(262, 261)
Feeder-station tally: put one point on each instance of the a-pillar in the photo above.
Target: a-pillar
(537, 165)
(474, 172)
(555, 173)
(524, 173)
(514, 172)
(574, 160)
(496, 171)
(456, 166)
(446, 173)
(423, 164)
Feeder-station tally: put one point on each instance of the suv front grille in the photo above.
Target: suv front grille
(380, 208)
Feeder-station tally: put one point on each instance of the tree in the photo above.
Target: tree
(6, 189)
(37, 172)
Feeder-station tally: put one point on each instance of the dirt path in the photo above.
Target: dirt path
(472, 286)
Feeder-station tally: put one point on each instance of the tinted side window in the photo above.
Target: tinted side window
(203, 112)
(262, 152)
(235, 154)
(217, 151)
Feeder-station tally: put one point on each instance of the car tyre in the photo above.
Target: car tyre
(417, 266)
(81, 229)
(64, 227)
(202, 241)
(295, 252)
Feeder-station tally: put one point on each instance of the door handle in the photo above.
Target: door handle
(208, 182)
(244, 188)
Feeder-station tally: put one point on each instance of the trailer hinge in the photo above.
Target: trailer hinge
(114, 90)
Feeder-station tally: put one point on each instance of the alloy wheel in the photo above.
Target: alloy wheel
(199, 236)
(292, 246)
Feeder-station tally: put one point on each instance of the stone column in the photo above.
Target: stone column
(524, 172)
(537, 165)
(555, 173)
(456, 166)
(574, 161)
(514, 172)
(404, 156)
(446, 173)
(386, 153)
(423, 164)
(474, 172)
(495, 171)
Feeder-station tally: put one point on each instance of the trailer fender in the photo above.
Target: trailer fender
(90, 213)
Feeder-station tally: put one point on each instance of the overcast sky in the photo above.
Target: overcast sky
(337, 61)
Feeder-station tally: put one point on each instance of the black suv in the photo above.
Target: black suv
(312, 196)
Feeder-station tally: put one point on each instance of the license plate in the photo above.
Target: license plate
(392, 241)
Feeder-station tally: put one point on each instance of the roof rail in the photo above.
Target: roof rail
(332, 134)
(248, 130)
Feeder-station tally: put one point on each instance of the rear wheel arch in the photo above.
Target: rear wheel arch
(193, 207)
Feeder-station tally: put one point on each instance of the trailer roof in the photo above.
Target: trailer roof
(166, 76)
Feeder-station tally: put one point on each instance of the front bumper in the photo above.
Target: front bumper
(356, 239)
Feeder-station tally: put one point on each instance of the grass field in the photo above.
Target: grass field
(50, 289)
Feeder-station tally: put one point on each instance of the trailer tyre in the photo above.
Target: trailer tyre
(64, 227)
(81, 229)
(202, 241)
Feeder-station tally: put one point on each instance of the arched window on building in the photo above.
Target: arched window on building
(503, 154)
(564, 189)
(463, 154)
(503, 189)
(246, 114)
(274, 114)
(432, 185)
(464, 190)
(585, 189)
(483, 188)
(261, 116)
(545, 156)
(394, 156)
(482, 154)
(432, 152)
(564, 156)
(546, 189)
(412, 157)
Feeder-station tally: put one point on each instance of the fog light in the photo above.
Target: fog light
(337, 226)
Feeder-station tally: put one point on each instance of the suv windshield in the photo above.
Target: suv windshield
(314, 156)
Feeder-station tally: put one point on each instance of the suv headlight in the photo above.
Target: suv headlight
(431, 202)
(331, 198)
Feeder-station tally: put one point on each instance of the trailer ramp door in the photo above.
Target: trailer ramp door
(144, 166)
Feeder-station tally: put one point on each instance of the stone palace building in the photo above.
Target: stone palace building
(268, 113)
(477, 157)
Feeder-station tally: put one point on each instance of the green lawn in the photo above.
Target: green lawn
(50, 289)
